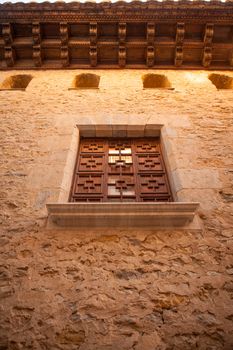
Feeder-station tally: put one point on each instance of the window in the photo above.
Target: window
(120, 170)
(16, 82)
(119, 180)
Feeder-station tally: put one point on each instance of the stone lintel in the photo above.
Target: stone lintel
(123, 130)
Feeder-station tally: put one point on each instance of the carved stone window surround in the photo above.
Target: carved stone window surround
(157, 215)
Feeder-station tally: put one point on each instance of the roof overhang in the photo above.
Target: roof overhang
(168, 34)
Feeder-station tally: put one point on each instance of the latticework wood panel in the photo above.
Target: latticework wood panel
(120, 170)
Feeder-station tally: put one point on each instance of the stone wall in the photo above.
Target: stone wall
(115, 289)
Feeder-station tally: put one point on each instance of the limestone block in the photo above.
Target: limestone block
(208, 198)
(196, 178)
(119, 131)
(152, 130)
(135, 130)
(103, 130)
(87, 130)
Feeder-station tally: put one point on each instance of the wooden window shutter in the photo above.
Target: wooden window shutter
(120, 170)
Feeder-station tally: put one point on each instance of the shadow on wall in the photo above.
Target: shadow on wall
(221, 81)
(159, 81)
(86, 81)
(16, 82)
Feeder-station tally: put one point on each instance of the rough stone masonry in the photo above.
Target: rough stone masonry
(115, 289)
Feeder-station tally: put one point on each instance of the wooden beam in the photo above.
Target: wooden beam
(36, 37)
(64, 44)
(8, 41)
(122, 46)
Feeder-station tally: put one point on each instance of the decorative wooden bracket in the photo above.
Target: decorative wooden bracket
(36, 36)
(180, 32)
(150, 44)
(7, 34)
(231, 58)
(209, 33)
(231, 53)
(93, 43)
(145, 34)
(207, 56)
(122, 46)
(64, 44)
(207, 52)
(8, 49)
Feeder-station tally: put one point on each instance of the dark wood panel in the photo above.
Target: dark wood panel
(123, 170)
(116, 35)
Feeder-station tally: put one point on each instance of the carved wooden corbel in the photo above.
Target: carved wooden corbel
(180, 32)
(122, 33)
(231, 53)
(150, 33)
(209, 33)
(207, 51)
(122, 56)
(179, 56)
(64, 44)
(8, 41)
(9, 56)
(37, 55)
(93, 55)
(122, 47)
(36, 37)
(64, 56)
(150, 57)
(207, 56)
(93, 33)
(7, 34)
(93, 43)
(231, 58)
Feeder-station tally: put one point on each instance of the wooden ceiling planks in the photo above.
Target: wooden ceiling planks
(171, 35)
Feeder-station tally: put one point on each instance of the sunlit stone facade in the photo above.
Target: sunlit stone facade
(115, 288)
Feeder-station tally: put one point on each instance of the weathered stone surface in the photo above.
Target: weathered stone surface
(115, 289)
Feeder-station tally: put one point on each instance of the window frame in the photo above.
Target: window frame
(147, 215)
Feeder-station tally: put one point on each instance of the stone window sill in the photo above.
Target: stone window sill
(113, 215)
(83, 88)
(161, 88)
(14, 89)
